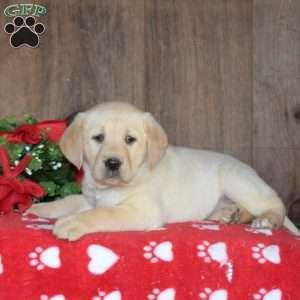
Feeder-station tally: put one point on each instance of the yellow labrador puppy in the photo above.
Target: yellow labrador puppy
(134, 180)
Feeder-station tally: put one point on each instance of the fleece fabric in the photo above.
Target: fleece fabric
(195, 260)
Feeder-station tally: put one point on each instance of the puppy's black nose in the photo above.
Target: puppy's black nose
(113, 164)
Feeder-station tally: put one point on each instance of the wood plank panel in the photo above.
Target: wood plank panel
(198, 58)
(20, 74)
(218, 75)
(276, 93)
(236, 54)
(91, 52)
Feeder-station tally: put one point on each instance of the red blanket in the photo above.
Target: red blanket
(202, 260)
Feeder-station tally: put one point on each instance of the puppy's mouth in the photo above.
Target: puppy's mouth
(113, 182)
(109, 174)
(112, 179)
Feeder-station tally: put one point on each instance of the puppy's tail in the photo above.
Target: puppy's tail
(287, 223)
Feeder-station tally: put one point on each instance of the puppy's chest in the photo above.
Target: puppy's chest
(105, 198)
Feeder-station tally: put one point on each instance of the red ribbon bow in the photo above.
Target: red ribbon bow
(14, 191)
(32, 134)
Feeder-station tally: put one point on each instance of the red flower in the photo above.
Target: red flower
(55, 129)
(29, 134)
(32, 134)
(14, 191)
(79, 174)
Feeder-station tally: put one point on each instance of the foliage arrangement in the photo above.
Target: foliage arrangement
(37, 144)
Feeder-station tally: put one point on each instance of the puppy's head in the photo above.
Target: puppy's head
(114, 140)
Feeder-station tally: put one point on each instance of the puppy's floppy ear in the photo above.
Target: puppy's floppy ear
(71, 143)
(157, 140)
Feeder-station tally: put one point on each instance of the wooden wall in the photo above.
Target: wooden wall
(218, 74)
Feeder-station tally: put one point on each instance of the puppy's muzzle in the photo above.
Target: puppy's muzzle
(113, 164)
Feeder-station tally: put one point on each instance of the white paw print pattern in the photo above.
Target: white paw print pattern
(265, 254)
(156, 252)
(207, 293)
(265, 231)
(41, 258)
(167, 294)
(115, 295)
(1, 266)
(158, 229)
(262, 294)
(211, 227)
(40, 226)
(101, 259)
(202, 251)
(216, 252)
(27, 218)
(56, 297)
(37, 223)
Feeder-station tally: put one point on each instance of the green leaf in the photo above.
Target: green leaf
(8, 124)
(48, 166)
(22, 176)
(54, 153)
(49, 187)
(35, 200)
(35, 164)
(29, 119)
(15, 151)
(3, 141)
(70, 188)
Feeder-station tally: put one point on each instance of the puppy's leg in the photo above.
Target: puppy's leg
(120, 218)
(242, 184)
(59, 208)
(269, 219)
(232, 214)
(245, 216)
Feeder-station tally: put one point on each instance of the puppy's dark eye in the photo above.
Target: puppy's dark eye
(130, 139)
(99, 138)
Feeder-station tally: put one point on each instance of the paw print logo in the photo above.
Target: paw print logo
(262, 294)
(115, 295)
(167, 294)
(24, 32)
(41, 258)
(207, 293)
(156, 252)
(264, 253)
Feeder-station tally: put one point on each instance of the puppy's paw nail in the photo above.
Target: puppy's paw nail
(226, 219)
(261, 223)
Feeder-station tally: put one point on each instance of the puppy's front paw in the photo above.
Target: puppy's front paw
(41, 210)
(70, 228)
(262, 222)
